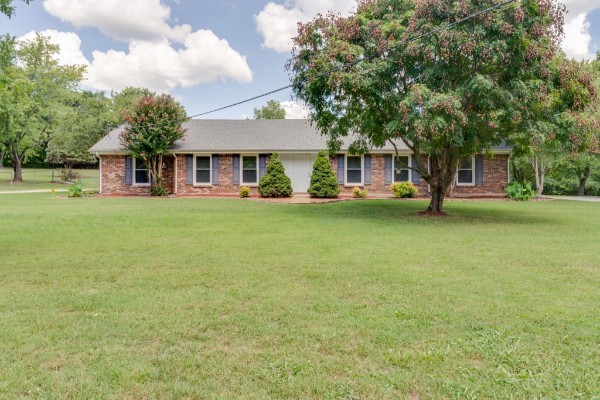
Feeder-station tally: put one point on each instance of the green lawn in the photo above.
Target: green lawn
(112, 298)
(41, 179)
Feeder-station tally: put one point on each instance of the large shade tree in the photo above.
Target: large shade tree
(154, 125)
(8, 8)
(396, 71)
(33, 86)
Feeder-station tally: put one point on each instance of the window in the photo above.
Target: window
(466, 172)
(354, 167)
(203, 167)
(401, 171)
(249, 170)
(141, 173)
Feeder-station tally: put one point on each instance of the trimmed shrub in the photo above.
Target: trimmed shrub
(520, 191)
(323, 183)
(275, 183)
(404, 189)
(76, 190)
(358, 193)
(244, 191)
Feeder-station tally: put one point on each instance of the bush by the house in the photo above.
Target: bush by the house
(76, 190)
(359, 193)
(404, 189)
(323, 183)
(244, 191)
(520, 191)
(275, 183)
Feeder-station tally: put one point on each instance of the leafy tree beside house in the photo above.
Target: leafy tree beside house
(154, 125)
(275, 183)
(448, 94)
(272, 110)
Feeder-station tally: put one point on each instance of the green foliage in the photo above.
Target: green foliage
(404, 189)
(76, 190)
(272, 110)
(8, 9)
(154, 125)
(244, 192)
(275, 183)
(125, 100)
(448, 95)
(359, 193)
(323, 183)
(158, 190)
(33, 89)
(520, 191)
(69, 175)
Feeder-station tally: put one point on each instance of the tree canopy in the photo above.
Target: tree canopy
(154, 125)
(396, 71)
(33, 87)
(7, 8)
(272, 110)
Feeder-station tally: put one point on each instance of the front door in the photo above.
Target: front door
(299, 168)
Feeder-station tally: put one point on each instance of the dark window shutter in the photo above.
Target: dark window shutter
(367, 170)
(129, 171)
(262, 165)
(236, 169)
(189, 169)
(479, 169)
(215, 169)
(341, 168)
(415, 174)
(389, 167)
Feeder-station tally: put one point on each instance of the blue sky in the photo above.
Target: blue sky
(207, 53)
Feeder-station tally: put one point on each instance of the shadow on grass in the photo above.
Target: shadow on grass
(458, 212)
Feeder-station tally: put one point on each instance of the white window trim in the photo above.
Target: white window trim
(362, 171)
(133, 172)
(203, 184)
(250, 184)
(410, 171)
(473, 168)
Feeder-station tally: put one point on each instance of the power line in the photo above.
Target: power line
(355, 62)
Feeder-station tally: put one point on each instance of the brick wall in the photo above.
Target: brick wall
(113, 177)
(495, 175)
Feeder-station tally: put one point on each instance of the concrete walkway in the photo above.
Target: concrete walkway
(588, 199)
(43, 191)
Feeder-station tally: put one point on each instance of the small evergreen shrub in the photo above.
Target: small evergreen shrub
(76, 190)
(358, 193)
(323, 183)
(404, 189)
(520, 191)
(275, 183)
(244, 191)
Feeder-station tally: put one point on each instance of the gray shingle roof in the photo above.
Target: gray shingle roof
(240, 136)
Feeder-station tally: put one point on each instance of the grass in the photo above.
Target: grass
(41, 179)
(221, 299)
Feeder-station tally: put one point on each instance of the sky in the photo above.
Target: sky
(207, 53)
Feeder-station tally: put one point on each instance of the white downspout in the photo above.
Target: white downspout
(176, 176)
(100, 173)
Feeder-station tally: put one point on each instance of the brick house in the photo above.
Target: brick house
(217, 157)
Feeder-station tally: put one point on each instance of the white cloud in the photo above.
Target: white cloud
(124, 20)
(278, 23)
(70, 46)
(156, 65)
(293, 110)
(577, 41)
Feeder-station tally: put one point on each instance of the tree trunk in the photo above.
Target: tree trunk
(583, 181)
(17, 163)
(436, 205)
(2, 154)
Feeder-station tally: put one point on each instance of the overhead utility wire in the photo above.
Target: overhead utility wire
(328, 72)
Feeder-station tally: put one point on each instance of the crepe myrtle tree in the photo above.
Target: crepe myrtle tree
(154, 125)
(379, 77)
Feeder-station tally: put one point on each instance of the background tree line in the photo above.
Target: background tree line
(45, 118)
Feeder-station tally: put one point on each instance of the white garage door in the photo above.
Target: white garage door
(299, 168)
